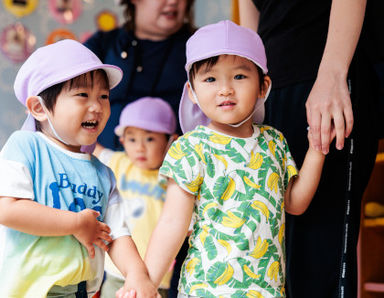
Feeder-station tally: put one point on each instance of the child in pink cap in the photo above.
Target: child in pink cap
(60, 209)
(233, 174)
(146, 129)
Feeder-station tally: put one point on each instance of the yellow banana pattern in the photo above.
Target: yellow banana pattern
(195, 184)
(226, 245)
(273, 270)
(256, 161)
(273, 182)
(239, 206)
(259, 205)
(250, 273)
(232, 221)
(176, 152)
(199, 150)
(190, 267)
(260, 249)
(230, 190)
(254, 294)
(250, 183)
(225, 276)
(219, 139)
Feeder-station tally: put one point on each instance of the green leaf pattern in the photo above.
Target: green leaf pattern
(237, 211)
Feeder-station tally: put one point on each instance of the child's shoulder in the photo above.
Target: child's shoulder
(23, 137)
(270, 132)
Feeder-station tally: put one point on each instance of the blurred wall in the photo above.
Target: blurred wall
(41, 22)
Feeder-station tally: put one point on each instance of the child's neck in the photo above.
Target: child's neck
(243, 131)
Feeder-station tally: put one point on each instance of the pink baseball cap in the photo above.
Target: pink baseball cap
(224, 37)
(57, 63)
(148, 113)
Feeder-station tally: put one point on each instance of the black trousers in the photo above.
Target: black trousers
(321, 244)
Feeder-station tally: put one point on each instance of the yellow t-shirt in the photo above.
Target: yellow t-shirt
(143, 202)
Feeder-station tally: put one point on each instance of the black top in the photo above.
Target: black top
(151, 68)
(294, 33)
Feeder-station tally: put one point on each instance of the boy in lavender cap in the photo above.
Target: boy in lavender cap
(146, 129)
(59, 207)
(235, 175)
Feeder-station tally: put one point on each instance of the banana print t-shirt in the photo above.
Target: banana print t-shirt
(237, 244)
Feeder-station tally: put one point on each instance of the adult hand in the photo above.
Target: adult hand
(329, 111)
(91, 232)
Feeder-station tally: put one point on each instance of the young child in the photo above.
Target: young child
(146, 129)
(59, 208)
(236, 177)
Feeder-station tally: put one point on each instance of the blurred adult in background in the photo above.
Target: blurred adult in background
(150, 49)
(322, 77)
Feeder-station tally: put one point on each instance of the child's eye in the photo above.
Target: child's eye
(132, 140)
(210, 80)
(105, 96)
(150, 139)
(239, 77)
(82, 94)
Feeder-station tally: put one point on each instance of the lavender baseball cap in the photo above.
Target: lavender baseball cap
(148, 113)
(57, 63)
(224, 37)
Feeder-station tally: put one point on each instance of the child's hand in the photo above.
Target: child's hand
(310, 137)
(90, 231)
(136, 287)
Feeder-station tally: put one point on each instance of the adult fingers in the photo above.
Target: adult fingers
(348, 116)
(326, 123)
(339, 127)
(314, 122)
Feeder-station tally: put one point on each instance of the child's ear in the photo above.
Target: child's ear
(35, 108)
(190, 94)
(266, 85)
(121, 140)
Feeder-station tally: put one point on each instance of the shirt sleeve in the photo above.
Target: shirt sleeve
(115, 216)
(16, 181)
(184, 165)
(290, 169)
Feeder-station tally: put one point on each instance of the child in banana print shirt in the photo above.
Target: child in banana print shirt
(235, 176)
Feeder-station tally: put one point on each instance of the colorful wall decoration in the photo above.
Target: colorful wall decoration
(28, 24)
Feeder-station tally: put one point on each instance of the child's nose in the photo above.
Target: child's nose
(226, 90)
(95, 106)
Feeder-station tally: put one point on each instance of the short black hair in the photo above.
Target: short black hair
(210, 62)
(50, 94)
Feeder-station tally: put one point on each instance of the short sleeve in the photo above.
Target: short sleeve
(16, 180)
(290, 169)
(115, 217)
(183, 164)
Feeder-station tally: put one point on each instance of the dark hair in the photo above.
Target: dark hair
(50, 94)
(129, 15)
(210, 62)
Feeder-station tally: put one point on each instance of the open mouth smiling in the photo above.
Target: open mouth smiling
(90, 124)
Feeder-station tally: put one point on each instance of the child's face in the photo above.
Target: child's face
(228, 91)
(80, 113)
(146, 149)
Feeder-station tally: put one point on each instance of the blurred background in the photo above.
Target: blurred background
(29, 24)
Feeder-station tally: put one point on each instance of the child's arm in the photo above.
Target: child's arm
(170, 231)
(30, 217)
(302, 188)
(124, 254)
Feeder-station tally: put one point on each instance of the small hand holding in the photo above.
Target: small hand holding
(329, 112)
(139, 286)
(91, 231)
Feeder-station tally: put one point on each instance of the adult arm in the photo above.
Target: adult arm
(30, 217)
(170, 231)
(249, 14)
(329, 108)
